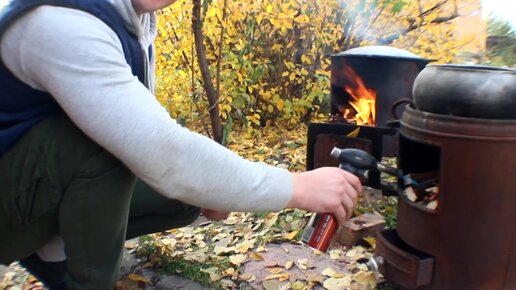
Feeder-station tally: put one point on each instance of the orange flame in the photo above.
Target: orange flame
(363, 103)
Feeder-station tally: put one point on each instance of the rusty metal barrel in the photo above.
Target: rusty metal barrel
(469, 240)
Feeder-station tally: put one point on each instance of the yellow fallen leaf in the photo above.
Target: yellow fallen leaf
(230, 221)
(337, 283)
(9, 275)
(371, 241)
(247, 277)
(138, 278)
(314, 277)
(328, 272)
(351, 253)
(256, 257)
(289, 265)
(298, 285)
(229, 271)
(292, 235)
(152, 263)
(131, 244)
(281, 276)
(301, 263)
(365, 278)
(354, 133)
(261, 249)
(244, 246)
(201, 244)
(271, 221)
(171, 242)
(219, 236)
(198, 257)
(223, 250)
(332, 273)
(317, 252)
(356, 252)
(237, 259)
(274, 270)
(335, 254)
(304, 264)
(209, 270)
(215, 277)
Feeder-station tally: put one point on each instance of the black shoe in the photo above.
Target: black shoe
(51, 274)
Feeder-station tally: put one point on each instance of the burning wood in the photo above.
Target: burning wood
(363, 100)
(433, 204)
(427, 197)
(410, 194)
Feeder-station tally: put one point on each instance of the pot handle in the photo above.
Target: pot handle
(395, 121)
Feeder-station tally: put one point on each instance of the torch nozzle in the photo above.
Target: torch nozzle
(361, 160)
(335, 152)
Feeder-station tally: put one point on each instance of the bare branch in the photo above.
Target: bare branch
(205, 71)
(221, 43)
(420, 7)
(414, 24)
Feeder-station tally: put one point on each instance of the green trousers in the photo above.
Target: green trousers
(57, 181)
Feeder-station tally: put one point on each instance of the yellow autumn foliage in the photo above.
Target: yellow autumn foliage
(274, 63)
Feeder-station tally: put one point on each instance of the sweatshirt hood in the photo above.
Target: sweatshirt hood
(143, 26)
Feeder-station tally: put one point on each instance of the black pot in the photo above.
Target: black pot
(467, 91)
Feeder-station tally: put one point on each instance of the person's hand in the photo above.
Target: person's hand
(215, 215)
(326, 190)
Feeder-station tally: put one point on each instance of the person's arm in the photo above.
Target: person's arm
(82, 65)
(79, 61)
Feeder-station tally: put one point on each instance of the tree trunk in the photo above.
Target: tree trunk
(213, 98)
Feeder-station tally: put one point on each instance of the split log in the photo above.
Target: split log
(358, 228)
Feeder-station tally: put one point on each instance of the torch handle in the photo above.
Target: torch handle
(360, 173)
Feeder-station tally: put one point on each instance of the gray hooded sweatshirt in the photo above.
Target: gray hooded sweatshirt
(79, 60)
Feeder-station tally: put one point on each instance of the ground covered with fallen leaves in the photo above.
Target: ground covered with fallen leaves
(261, 250)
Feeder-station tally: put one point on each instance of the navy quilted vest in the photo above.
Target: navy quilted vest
(21, 106)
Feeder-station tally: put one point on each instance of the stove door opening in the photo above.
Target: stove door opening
(420, 163)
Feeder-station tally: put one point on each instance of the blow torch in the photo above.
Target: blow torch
(321, 227)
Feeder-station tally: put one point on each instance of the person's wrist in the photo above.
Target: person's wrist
(296, 192)
(215, 215)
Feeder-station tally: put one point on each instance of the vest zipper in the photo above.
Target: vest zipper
(146, 60)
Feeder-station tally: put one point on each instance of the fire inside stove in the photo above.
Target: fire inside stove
(355, 102)
(361, 108)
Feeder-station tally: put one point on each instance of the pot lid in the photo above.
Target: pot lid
(377, 51)
(472, 68)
